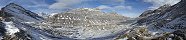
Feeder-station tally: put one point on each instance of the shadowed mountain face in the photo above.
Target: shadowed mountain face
(19, 13)
(169, 17)
(164, 23)
(11, 27)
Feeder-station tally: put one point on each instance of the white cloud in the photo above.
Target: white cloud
(62, 4)
(69, 4)
(119, 7)
(112, 2)
(123, 7)
(158, 3)
(103, 7)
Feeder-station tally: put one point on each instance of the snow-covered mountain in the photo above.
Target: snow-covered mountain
(165, 23)
(85, 23)
(19, 13)
(168, 17)
(17, 23)
(13, 18)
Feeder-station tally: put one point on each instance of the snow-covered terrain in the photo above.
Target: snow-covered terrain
(85, 23)
(81, 23)
(19, 13)
(10, 27)
(164, 23)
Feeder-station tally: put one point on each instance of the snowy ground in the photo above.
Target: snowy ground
(10, 27)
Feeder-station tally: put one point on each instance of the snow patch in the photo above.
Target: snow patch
(124, 38)
(52, 14)
(10, 27)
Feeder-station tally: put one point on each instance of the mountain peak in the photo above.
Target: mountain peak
(20, 13)
(12, 4)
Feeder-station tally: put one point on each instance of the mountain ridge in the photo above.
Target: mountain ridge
(164, 23)
(74, 24)
(19, 13)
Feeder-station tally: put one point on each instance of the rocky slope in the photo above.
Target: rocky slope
(17, 23)
(85, 23)
(12, 22)
(19, 13)
(168, 17)
(165, 23)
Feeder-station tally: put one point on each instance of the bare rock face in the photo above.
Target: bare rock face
(84, 23)
(17, 23)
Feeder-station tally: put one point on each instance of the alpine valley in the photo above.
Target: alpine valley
(168, 22)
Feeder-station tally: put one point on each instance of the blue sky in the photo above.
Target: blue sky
(130, 8)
